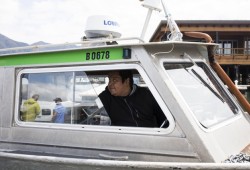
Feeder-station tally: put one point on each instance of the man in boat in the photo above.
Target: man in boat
(59, 111)
(128, 104)
(30, 109)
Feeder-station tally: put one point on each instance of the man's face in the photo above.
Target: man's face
(115, 85)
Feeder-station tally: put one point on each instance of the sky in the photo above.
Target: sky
(61, 21)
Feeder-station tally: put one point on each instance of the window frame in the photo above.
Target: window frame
(87, 68)
(215, 126)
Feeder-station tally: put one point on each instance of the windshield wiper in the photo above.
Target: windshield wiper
(208, 85)
(201, 78)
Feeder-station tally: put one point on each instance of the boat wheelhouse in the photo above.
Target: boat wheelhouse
(205, 122)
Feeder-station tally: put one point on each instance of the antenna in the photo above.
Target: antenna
(175, 34)
(151, 5)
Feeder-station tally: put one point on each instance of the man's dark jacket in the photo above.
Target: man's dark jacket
(138, 109)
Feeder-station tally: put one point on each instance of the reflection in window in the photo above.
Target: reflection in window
(209, 103)
(77, 90)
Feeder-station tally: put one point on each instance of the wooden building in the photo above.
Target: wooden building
(233, 37)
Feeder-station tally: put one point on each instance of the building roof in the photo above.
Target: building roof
(242, 26)
(213, 22)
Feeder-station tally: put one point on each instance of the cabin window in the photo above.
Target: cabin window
(79, 90)
(207, 100)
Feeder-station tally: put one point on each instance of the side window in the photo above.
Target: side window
(76, 89)
(86, 99)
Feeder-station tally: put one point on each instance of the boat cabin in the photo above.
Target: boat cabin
(205, 123)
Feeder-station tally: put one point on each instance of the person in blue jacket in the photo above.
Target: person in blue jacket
(59, 111)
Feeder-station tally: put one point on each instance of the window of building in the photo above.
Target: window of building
(247, 46)
(228, 47)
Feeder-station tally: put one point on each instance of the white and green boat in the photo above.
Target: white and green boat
(207, 124)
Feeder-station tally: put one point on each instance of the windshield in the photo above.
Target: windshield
(201, 91)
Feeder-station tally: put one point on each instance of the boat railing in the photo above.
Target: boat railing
(86, 43)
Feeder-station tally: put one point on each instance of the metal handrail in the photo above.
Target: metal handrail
(72, 45)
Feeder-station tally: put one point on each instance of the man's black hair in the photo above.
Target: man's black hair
(35, 97)
(127, 74)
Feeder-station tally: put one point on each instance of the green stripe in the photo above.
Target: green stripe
(62, 57)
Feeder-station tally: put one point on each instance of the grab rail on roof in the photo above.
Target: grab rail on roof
(64, 46)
